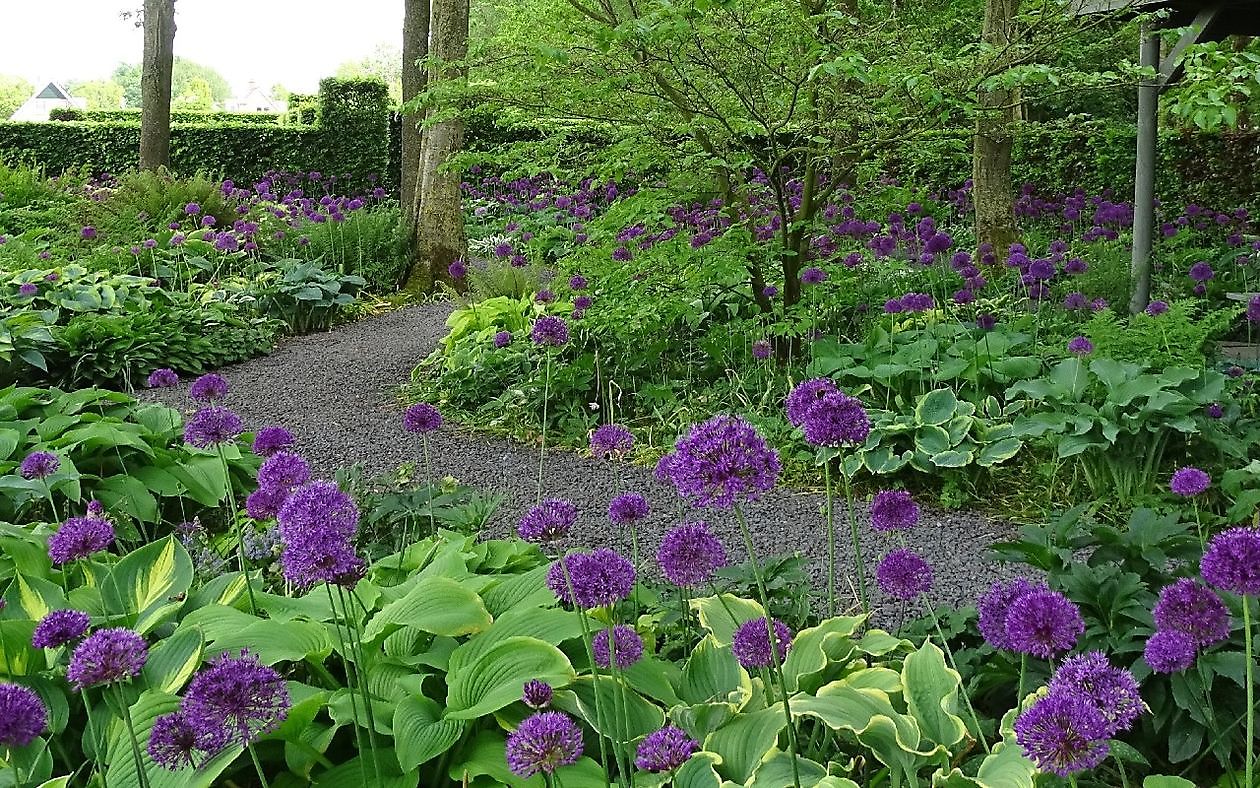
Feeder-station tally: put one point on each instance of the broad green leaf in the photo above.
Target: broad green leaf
(1166, 781)
(636, 716)
(551, 625)
(931, 692)
(936, 407)
(814, 648)
(148, 584)
(744, 741)
(723, 616)
(420, 733)
(497, 677)
(711, 673)
(698, 772)
(437, 605)
(278, 641)
(999, 451)
(173, 660)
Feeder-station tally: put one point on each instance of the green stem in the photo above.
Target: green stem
(361, 674)
(345, 658)
(428, 475)
(1023, 668)
(962, 687)
(831, 544)
(590, 655)
(542, 450)
(125, 710)
(240, 532)
(1251, 691)
(253, 756)
(621, 712)
(858, 565)
(51, 504)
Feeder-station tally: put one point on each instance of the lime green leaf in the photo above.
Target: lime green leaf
(437, 605)
(497, 677)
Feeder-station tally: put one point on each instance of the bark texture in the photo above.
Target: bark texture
(440, 227)
(414, 78)
(992, 190)
(155, 84)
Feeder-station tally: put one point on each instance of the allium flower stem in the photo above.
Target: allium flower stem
(831, 542)
(775, 657)
(590, 655)
(428, 475)
(1251, 690)
(125, 712)
(236, 525)
(542, 433)
(962, 686)
(51, 504)
(859, 567)
(621, 712)
(361, 677)
(354, 707)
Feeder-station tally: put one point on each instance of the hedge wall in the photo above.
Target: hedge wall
(177, 116)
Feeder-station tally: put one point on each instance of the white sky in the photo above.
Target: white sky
(293, 42)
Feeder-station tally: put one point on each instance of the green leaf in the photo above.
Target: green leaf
(932, 439)
(1166, 781)
(278, 641)
(148, 584)
(936, 407)
(122, 770)
(744, 742)
(437, 605)
(499, 675)
(173, 660)
(998, 452)
(723, 619)
(420, 733)
(711, 673)
(128, 495)
(931, 692)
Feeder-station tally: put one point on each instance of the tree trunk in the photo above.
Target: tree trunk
(414, 78)
(992, 190)
(155, 84)
(440, 226)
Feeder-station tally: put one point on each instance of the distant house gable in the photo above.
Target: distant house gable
(53, 91)
(53, 96)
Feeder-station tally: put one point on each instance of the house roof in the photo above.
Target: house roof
(53, 91)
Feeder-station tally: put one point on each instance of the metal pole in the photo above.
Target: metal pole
(1144, 180)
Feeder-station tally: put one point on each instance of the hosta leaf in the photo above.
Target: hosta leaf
(148, 584)
(497, 677)
(420, 733)
(437, 605)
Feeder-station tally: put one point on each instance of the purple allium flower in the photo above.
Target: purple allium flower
(893, 306)
(893, 510)
(544, 296)
(805, 396)
(80, 537)
(628, 508)
(628, 644)
(986, 322)
(283, 471)
(543, 743)
(503, 339)
(600, 578)
(266, 502)
(59, 628)
(237, 695)
(211, 426)
(751, 643)
(610, 441)
(994, 606)
(421, 417)
(23, 716)
(1232, 561)
(1063, 733)
(1113, 691)
(1080, 346)
(690, 554)
(581, 304)
(536, 694)
(458, 270)
(27, 290)
(316, 523)
(39, 465)
(904, 575)
(761, 349)
(837, 420)
(150, 243)
(1235, 371)
(107, 656)
(1190, 607)
(551, 331)
(1200, 289)
(207, 221)
(270, 440)
(87, 233)
(665, 750)
(174, 743)
(577, 282)
(163, 378)
(1156, 308)
(621, 254)
(1214, 410)
(1169, 651)
(1043, 624)
(208, 388)
(548, 521)
(1098, 304)
(1075, 300)
(1201, 272)
(1253, 309)
(720, 462)
(192, 209)
(1189, 482)
(813, 276)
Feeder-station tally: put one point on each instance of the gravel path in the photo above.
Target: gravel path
(335, 391)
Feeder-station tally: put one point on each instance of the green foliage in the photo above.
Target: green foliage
(303, 295)
(143, 204)
(1179, 337)
(14, 91)
(178, 117)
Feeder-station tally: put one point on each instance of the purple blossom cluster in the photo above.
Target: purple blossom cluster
(317, 526)
(689, 554)
(1029, 618)
(599, 578)
(720, 463)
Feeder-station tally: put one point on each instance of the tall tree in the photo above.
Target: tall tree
(414, 77)
(440, 228)
(14, 91)
(155, 83)
(997, 106)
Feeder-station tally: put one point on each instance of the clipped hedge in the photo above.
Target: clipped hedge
(177, 116)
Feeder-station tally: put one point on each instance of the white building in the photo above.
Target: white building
(53, 96)
(255, 99)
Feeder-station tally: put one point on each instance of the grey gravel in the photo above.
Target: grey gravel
(337, 392)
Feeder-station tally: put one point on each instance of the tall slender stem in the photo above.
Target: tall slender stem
(253, 756)
(360, 671)
(859, 566)
(962, 687)
(1251, 691)
(831, 544)
(590, 655)
(345, 656)
(125, 710)
(542, 449)
(240, 534)
(428, 475)
(51, 504)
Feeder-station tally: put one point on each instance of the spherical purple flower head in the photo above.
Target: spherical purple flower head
(628, 508)
(665, 750)
(1156, 308)
(107, 656)
(536, 694)
(1113, 691)
(769, 291)
(1170, 651)
(543, 743)
(547, 522)
(211, 426)
(163, 378)
(503, 339)
(1189, 482)
(270, 440)
(627, 642)
(192, 209)
(600, 578)
(994, 606)
(421, 417)
(1044, 624)
(904, 575)
(238, 694)
(805, 396)
(690, 554)
(457, 270)
(1075, 300)
(610, 441)
(751, 643)
(544, 296)
(1190, 607)
(581, 304)
(813, 276)
(1063, 734)
(1232, 561)
(207, 221)
(1201, 272)
(1080, 346)
(317, 522)
(59, 628)
(27, 290)
(175, 743)
(986, 322)
(893, 510)
(265, 502)
(550, 330)
(721, 462)
(1253, 309)
(1214, 410)
(283, 471)
(80, 537)
(761, 349)
(87, 233)
(837, 420)
(208, 388)
(39, 465)
(577, 282)
(893, 306)
(22, 716)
